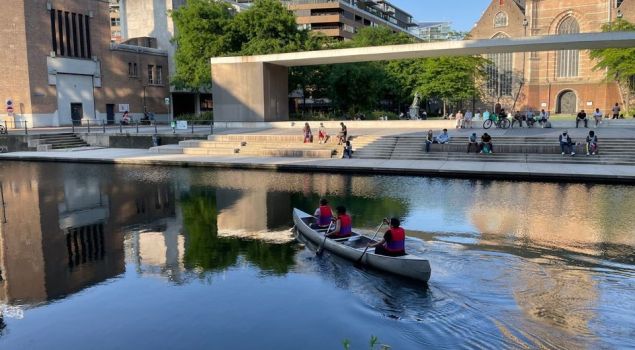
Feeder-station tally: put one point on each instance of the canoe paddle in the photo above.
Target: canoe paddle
(358, 263)
(321, 247)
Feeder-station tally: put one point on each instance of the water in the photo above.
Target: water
(119, 257)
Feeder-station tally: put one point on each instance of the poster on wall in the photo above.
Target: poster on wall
(124, 107)
(181, 125)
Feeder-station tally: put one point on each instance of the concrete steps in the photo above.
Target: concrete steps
(57, 142)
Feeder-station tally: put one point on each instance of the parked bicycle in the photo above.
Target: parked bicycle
(502, 123)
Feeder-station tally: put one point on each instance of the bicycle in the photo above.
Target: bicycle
(503, 123)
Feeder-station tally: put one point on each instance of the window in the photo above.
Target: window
(618, 3)
(132, 69)
(150, 74)
(70, 34)
(159, 75)
(499, 72)
(500, 20)
(568, 61)
(115, 21)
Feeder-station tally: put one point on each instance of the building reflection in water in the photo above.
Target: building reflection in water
(61, 228)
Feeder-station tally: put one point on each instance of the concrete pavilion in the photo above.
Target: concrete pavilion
(255, 88)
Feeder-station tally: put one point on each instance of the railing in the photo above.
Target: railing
(97, 126)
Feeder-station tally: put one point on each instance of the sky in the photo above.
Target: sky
(462, 13)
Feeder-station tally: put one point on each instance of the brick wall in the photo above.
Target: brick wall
(14, 74)
(543, 86)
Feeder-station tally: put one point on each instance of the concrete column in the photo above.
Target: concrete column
(250, 92)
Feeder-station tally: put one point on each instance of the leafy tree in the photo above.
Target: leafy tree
(269, 27)
(452, 79)
(201, 34)
(619, 63)
(209, 28)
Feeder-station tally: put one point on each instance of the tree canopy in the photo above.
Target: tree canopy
(618, 63)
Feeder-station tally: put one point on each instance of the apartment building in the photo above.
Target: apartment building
(341, 19)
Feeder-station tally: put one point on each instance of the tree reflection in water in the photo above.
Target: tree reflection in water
(206, 250)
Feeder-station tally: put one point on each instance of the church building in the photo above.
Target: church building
(562, 82)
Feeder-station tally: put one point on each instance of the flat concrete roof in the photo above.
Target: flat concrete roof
(447, 48)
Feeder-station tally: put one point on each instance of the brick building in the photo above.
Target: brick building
(62, 68)
(562, 81)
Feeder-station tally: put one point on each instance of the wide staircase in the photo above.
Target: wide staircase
(253, 145)
(619, 151)
(58, 142)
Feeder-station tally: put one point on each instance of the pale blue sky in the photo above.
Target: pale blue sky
(462, 13)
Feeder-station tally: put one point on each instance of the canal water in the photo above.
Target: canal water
(123, 257)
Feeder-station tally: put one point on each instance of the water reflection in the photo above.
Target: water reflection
(514, 264)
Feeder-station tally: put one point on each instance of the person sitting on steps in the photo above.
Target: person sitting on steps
(581, 117)
(566, 145)
(591, 143)
(486, 145)
(472, 143)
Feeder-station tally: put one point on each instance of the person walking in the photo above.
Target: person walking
(342, 136)
(597, 115)
(616, 111)
(581, 117)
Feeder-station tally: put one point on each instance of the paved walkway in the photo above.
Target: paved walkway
(476, 169)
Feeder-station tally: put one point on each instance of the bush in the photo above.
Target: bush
(203, 118)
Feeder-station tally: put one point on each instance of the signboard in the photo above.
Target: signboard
(167, 101)
(181, 125)
(9, 104)
(124, 107)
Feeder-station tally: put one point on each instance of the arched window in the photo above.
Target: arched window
(568, 61)
(499, 72)
(500, 20)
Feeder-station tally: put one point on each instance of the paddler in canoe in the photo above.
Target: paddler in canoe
(323, 215)
(394, 241)
(343, 224)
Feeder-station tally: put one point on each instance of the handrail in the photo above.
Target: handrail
(103, 126)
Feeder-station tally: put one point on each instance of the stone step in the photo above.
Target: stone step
(167, 149)
(298, 153)
(210, 151)
(257, 137)
(211, 144)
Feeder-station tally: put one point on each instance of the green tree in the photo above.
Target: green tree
(451, 79)
(618, 63)
(269, 27)
(201, 34)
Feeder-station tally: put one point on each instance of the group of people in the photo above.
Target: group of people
(442, 139)
(485, 145)
(323, 137)
(567, 145)
(340, 226)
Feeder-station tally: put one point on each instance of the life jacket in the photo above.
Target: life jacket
(325, 215)
(346, 225)
(398, 241)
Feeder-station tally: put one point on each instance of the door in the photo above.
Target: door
(110, 113)
(77, 111)
(567, 103)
